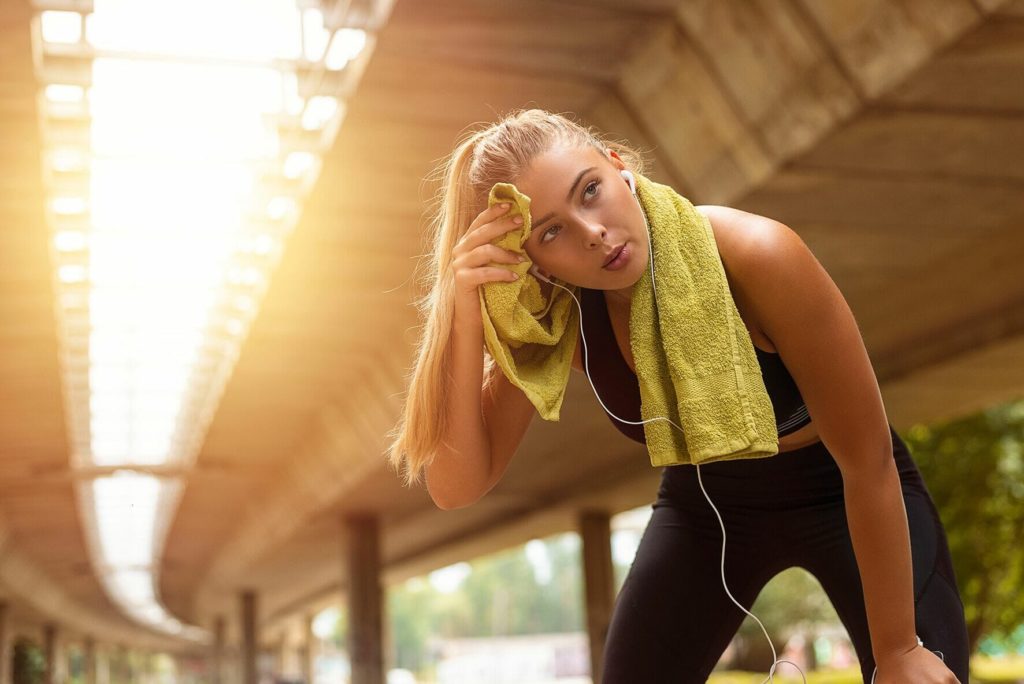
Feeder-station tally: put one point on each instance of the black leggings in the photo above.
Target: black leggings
(672, 618)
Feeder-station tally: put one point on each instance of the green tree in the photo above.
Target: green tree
(505, 598)
(29, 662)
(501, 596)
(974, 469)
(412, 613)
(560, 601)
(793, 598)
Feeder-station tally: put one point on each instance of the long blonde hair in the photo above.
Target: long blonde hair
(497, 153)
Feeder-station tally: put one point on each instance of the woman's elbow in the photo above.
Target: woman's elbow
(446, 504)
(448, 499)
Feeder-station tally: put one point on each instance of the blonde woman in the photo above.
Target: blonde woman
(842, 498)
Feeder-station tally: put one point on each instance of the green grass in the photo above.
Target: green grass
(983, 671)
(997, 670)
(848, 676)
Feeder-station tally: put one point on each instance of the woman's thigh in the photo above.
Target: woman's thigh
(672, 619)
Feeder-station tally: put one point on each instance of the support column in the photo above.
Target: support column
(6, 661)
(89, 659)
(307, 653)
(217, 658)
(127, 665)
(121, 667)
(598, 582)
(281, 658)
(365, 635)
(50, 674)
(103, 666)
(146, 667)
(249, 673)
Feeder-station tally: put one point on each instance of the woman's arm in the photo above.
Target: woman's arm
(803, 313)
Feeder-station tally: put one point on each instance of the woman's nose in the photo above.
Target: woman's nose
(594, 233)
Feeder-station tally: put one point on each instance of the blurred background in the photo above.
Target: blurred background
(211, 216)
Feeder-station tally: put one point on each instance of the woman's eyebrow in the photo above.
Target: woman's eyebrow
(568, 195)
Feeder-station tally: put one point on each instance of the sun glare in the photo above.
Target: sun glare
(180, 142)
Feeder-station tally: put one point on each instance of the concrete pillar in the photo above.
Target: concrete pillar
(127, 665)
(50, 658)
(119, 664)
(598, 582)
(365, 635)
(249, 651)
(6, 659)
(281, 659)
(131, 667)
(307, 652)
(217, 657)
(126, 669)
(146, 667)
(89, 660)
(103, 674)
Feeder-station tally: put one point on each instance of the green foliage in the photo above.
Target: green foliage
(411, 609)
(975, 472)
(340, 634)
(29, 662)
(793, 598)
(500, 597)
(76, 665)
(848, 676)
(997, 670)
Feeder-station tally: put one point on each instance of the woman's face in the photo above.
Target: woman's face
(582, 211)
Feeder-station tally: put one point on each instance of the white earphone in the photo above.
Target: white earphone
(628, 175)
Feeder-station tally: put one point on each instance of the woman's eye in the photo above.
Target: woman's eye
(548, 232)
(544, 238)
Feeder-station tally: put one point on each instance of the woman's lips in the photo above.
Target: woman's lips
(620, 260)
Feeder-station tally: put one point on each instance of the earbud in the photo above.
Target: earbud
(628, 175)
(535, 271)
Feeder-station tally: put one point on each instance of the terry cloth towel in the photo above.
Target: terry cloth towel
(530, 328)
(694, 359)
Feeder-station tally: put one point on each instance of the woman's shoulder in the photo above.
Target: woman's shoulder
(735, 227)
(743, 238)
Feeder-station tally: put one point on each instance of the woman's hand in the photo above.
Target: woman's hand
(918, 665)
(473, 254)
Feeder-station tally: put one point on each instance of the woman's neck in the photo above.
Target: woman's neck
(621, 298)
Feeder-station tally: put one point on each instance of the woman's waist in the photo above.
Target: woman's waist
(807, 473)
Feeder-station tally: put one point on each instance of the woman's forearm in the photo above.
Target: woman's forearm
(459, 473)
(881, 542)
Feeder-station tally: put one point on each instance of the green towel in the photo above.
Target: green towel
(694, 358)
(702, 373)
(530, 327)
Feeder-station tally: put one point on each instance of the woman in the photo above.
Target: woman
(842, 498)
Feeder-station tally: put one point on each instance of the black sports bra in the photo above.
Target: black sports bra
(620, 391)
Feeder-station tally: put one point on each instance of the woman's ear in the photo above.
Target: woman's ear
(616, 160)
(537, 270)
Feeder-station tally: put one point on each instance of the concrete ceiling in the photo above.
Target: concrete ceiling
(886, 134)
